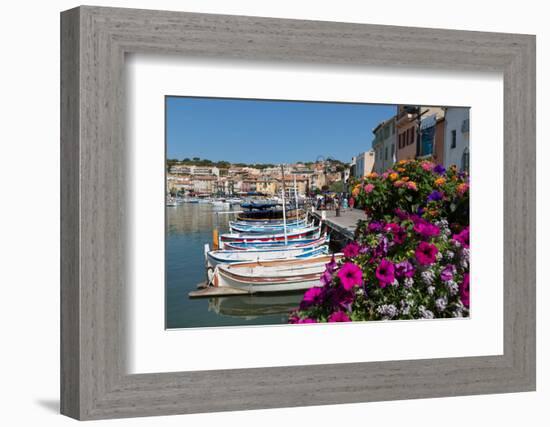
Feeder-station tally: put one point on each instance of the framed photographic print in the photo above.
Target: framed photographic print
(278, 213)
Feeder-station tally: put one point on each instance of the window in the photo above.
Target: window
(392, 150)
(386, 153)
(453, 138)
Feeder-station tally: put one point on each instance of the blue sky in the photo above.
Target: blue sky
(258, 131)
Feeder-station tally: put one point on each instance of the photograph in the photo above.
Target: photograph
(285, 212)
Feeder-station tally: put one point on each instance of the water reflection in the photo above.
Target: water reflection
(188, 228)
(253, 306)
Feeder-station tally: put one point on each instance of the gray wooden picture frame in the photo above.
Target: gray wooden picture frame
(94, 382)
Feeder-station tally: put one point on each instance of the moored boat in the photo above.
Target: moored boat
(267, 228)
(272, 276)
(299, 233)
(298, 243)
(231, 256)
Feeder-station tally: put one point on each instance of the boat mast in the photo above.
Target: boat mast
(296, 196)
(284, 203)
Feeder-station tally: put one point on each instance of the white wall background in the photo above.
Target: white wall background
(29, 224)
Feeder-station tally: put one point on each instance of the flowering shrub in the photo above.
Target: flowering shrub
(410, 257)
(405, 268)
(417, 187)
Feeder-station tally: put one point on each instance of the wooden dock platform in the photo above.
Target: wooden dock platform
(212, 291)
(344, 224)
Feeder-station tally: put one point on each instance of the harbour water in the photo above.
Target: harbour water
(189, 227)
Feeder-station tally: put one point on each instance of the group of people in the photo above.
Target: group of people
(329, 202)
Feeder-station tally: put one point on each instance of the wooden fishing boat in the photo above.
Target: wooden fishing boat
(213, 258)
(271, 276)
(298, 243)
(270, 214)
(268, 222)
(268, 229)
(299, 233)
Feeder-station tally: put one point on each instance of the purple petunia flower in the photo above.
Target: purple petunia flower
(339, 316)
(338, 298)
(440, 170)
(331, 266)
(375, 226)
(326, 278)
(448, 273)
(400, 236)
(351, 250)
(350, 275)
(426, 253)
(404, 269)
(401, 214)
(385, 273)
(435, 196)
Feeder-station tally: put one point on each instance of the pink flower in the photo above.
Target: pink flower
(306, 320)
(463, 237)
(351, 202)
(385, 273)
(351, 250)
(311, 297)
(427, 166)
(425, 229)
(464, 288)
(350, 275)
(399, 233)
(412, 185)
(368, 188)
(339, 316)
(425, 253)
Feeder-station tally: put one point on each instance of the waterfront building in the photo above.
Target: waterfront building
(318, 180)
(194, 170)
(384, 145)
(457, 137)
(364, 163)
(267, 185)
(204, 185)
(407, 121)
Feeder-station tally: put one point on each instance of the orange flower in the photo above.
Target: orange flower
(356, 190)
(462, 188)
(405, 178)
(393, 176)
(439, 181)
(372, 175)
(401, 170)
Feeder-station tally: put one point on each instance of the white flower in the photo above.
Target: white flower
(428, 276)
(426, 314)
(452, 286)
(387, 311)
(441, 303)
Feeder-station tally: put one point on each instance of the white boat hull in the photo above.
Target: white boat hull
(227, 256)
(271, 276)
